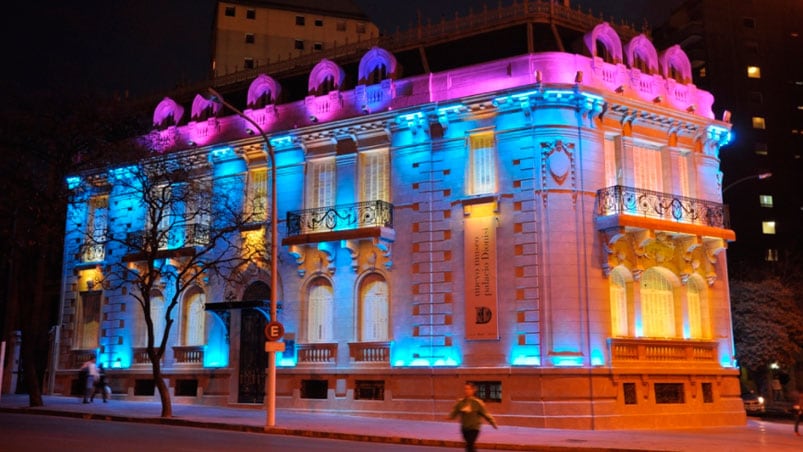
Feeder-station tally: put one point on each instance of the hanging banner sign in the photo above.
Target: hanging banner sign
(480, 278)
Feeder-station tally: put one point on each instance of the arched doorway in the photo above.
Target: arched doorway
(253, 358)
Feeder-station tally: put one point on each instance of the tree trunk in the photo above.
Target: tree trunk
(164, 393)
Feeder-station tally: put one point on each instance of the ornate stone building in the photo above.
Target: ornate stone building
(548, 226)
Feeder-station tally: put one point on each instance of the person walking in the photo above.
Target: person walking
(471, 411)
(90, 371)
(100, 385)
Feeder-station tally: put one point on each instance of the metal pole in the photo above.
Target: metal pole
(270, 393)
(2, 368)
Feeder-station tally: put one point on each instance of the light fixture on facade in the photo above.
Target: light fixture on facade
(578, 77)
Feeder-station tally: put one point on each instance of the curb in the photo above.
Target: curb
(312, 433)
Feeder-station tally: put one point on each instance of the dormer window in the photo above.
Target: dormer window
(378, 74)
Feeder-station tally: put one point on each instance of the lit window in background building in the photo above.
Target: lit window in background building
(768, 227)
(753, 72)
(758, 123)
(772, 255)
(765, 200)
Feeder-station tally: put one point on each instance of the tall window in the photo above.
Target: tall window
(374, 176)
(89, 320)
(373, 313)
(97, 227)
(618, 293)
(192, 318)
(321, 183)
(482, 165)
(256, 206)
(321, 310)
(160, 209)
(647, 168)
(697, 300)
(197, 214)
(657, 305)
(684, 176)
(613, 171)
(157, 313)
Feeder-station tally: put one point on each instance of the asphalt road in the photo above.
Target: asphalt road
(34, 433)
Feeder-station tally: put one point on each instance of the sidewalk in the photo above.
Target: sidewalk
(757, 435)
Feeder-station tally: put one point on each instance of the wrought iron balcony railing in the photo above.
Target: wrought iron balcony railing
(92, 252)
(192, 234)
(196, 235)
(619, 200)
(341, 217)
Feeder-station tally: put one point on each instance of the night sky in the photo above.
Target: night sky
(150, 46)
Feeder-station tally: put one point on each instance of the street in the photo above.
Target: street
(33, 433)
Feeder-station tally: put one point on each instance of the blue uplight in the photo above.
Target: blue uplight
(73, 181)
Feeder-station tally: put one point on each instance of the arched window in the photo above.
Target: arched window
(697, 299)
(379, 73)
(193, 317)
(374, 312)
(619, 305)
(657, 305)
(320, 302)
(327, 85)
(641, 64)
(602, 52)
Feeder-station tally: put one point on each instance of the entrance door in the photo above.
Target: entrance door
(253, 357)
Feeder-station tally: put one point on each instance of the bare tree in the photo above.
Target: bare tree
(186, 234)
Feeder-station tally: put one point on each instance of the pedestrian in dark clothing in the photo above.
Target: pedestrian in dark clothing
(797, 409)
(471, 411)
(100, 385)
(89, 373)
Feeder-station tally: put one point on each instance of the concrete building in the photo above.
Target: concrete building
(253, 33)
(547, 225)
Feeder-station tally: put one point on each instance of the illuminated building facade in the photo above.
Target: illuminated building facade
(548, 226)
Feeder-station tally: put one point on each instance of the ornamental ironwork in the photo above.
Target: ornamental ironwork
(340, 217)
(618, 200)
(93, 252)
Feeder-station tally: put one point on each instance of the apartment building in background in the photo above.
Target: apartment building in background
(252, 33)
(751, 55)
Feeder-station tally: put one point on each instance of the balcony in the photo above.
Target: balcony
(341, 222)
(189, 355)
(140, 357)
(628, 206)
(369, 352)
(92, 252)
(317, 353)
(632, 351)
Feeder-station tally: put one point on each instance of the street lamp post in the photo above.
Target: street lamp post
(274, 256)
(752, 176)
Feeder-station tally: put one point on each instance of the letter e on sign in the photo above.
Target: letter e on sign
(274, 331)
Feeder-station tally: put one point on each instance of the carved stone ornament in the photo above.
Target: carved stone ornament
(559, 161)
